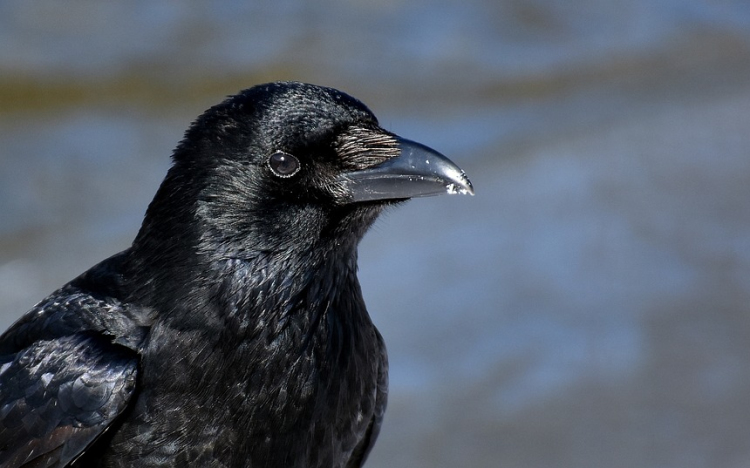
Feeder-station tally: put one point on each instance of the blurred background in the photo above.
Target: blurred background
(589, 307)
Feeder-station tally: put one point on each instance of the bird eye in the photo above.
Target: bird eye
(283, 164)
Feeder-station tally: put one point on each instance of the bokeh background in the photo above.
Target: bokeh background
(589, 307)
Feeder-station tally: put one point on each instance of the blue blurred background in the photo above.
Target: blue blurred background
(589, 307)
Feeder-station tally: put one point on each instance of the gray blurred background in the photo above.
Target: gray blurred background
(589, 307)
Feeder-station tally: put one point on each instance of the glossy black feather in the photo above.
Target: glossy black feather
(233, 332)
(59, 395)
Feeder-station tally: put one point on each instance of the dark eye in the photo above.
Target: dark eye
(283, 164)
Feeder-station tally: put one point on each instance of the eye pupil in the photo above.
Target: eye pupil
(283, 164)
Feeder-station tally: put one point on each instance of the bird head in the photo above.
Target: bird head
(284, 165)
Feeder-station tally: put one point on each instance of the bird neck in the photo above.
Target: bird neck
(255, 293)
(299, 293)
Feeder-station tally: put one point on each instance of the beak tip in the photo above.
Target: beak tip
(460, 189)
(459, 183)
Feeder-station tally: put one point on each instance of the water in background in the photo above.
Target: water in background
(589, 307)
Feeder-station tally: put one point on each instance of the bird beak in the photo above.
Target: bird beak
(418, 171)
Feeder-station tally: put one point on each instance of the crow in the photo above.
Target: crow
(233, 332)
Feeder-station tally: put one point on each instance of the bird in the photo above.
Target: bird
(233, 331)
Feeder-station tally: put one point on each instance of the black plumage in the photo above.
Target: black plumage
(233, 331)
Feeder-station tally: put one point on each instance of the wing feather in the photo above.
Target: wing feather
(58, 396)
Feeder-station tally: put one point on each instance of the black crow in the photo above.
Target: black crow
(233, 332)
